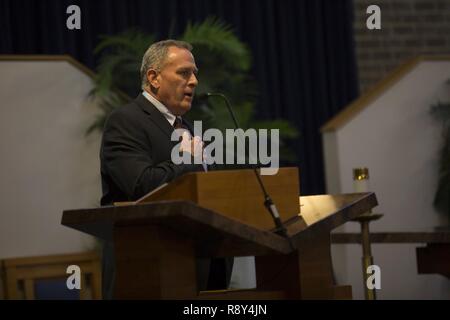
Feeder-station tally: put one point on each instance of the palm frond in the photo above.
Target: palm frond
(219, 38)
(107, 104)
(441, 111)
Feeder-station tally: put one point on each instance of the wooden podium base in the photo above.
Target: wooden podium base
(154, 263)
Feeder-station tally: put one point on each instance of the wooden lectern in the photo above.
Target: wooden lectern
(221, 214)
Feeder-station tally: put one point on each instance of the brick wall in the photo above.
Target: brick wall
(408, 28)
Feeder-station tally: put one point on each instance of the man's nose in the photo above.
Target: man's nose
(193, 81)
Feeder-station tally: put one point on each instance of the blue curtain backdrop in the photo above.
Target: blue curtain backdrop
(303, 51)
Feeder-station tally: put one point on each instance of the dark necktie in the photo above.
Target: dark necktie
(178, 124)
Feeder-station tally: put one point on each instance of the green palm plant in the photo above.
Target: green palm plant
(441, 111)
(224, 64)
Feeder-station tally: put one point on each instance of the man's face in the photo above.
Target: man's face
(175, 84)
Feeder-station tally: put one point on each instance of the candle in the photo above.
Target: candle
(361, 179)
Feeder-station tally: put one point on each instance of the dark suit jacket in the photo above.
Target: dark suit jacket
(135, 152)
(135, 158)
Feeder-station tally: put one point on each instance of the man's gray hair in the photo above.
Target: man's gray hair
(156, 55)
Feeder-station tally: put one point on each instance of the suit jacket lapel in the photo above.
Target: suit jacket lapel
(156, 116)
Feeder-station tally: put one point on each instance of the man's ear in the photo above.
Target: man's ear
(153, 78)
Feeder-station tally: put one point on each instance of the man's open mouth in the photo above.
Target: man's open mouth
(189, 95)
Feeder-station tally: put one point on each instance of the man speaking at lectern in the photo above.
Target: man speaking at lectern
(136, 147)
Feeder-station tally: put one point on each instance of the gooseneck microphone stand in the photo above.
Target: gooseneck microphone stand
(268, 202)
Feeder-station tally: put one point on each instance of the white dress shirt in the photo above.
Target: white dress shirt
(162, 108)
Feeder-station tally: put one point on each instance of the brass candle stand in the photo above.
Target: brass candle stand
(361, 179)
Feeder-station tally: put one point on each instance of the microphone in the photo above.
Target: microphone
(268, 202)
(202, 97)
